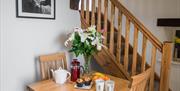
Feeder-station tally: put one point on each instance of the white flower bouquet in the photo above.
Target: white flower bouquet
(85, 42)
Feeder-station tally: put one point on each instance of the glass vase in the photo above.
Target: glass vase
(87, 65)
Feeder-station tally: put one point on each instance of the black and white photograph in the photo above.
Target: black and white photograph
(44, 9)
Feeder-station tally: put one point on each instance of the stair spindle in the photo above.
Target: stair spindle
(135, 48)
(126, 52)
(111, 45)
(144, 46)
(82, 13)
(99, 16)
(87, 12)
(105, 21)
(153, 63)
(118, 50)
(93, 13)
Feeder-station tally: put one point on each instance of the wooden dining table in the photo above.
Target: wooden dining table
(50, 85)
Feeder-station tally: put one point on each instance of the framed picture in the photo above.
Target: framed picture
(42, 9)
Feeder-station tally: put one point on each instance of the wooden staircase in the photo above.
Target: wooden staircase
(122, 58)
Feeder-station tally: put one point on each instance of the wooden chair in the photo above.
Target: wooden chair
(140, 81)
(51, 61)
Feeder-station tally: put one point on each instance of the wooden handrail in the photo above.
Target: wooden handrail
(143, 29)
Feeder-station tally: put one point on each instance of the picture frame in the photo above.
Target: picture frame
(40, 9)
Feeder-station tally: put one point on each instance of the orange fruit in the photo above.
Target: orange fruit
(95, 77)
(106, 78)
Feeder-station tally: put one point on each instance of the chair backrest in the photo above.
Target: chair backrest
(51, 61)
(139, 82)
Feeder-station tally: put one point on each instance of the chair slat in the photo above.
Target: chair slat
(111, 45)
(118, 50)
(56, 63)
(48, 70)
(62, 64)
(135, 48)
(126, 52)
(42, 69)
(144, 46)
(45, 71)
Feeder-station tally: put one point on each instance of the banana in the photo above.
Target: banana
(177, 40)
(99, 74)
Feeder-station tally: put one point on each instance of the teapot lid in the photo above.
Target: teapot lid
(60, 69)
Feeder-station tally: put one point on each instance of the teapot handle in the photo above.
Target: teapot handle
(69, 75)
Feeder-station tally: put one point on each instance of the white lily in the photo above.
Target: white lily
(99, 47)
(95, 41)
(91, 38)
(83, 36)
(77, 29)
(87, 42)
(92, 29)
(69, 39)
(66, 43)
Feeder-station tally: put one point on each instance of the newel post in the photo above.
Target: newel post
(165, 66)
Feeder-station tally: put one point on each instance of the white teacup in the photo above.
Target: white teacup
(99, 85)
(109, 85)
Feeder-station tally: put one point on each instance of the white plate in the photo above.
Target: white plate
(84, 87)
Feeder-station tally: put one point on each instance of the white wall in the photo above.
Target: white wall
(147, 11)
(0, 47)
(174, 76)
(23, 40)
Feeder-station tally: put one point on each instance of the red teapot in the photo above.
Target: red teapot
(75, 70)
